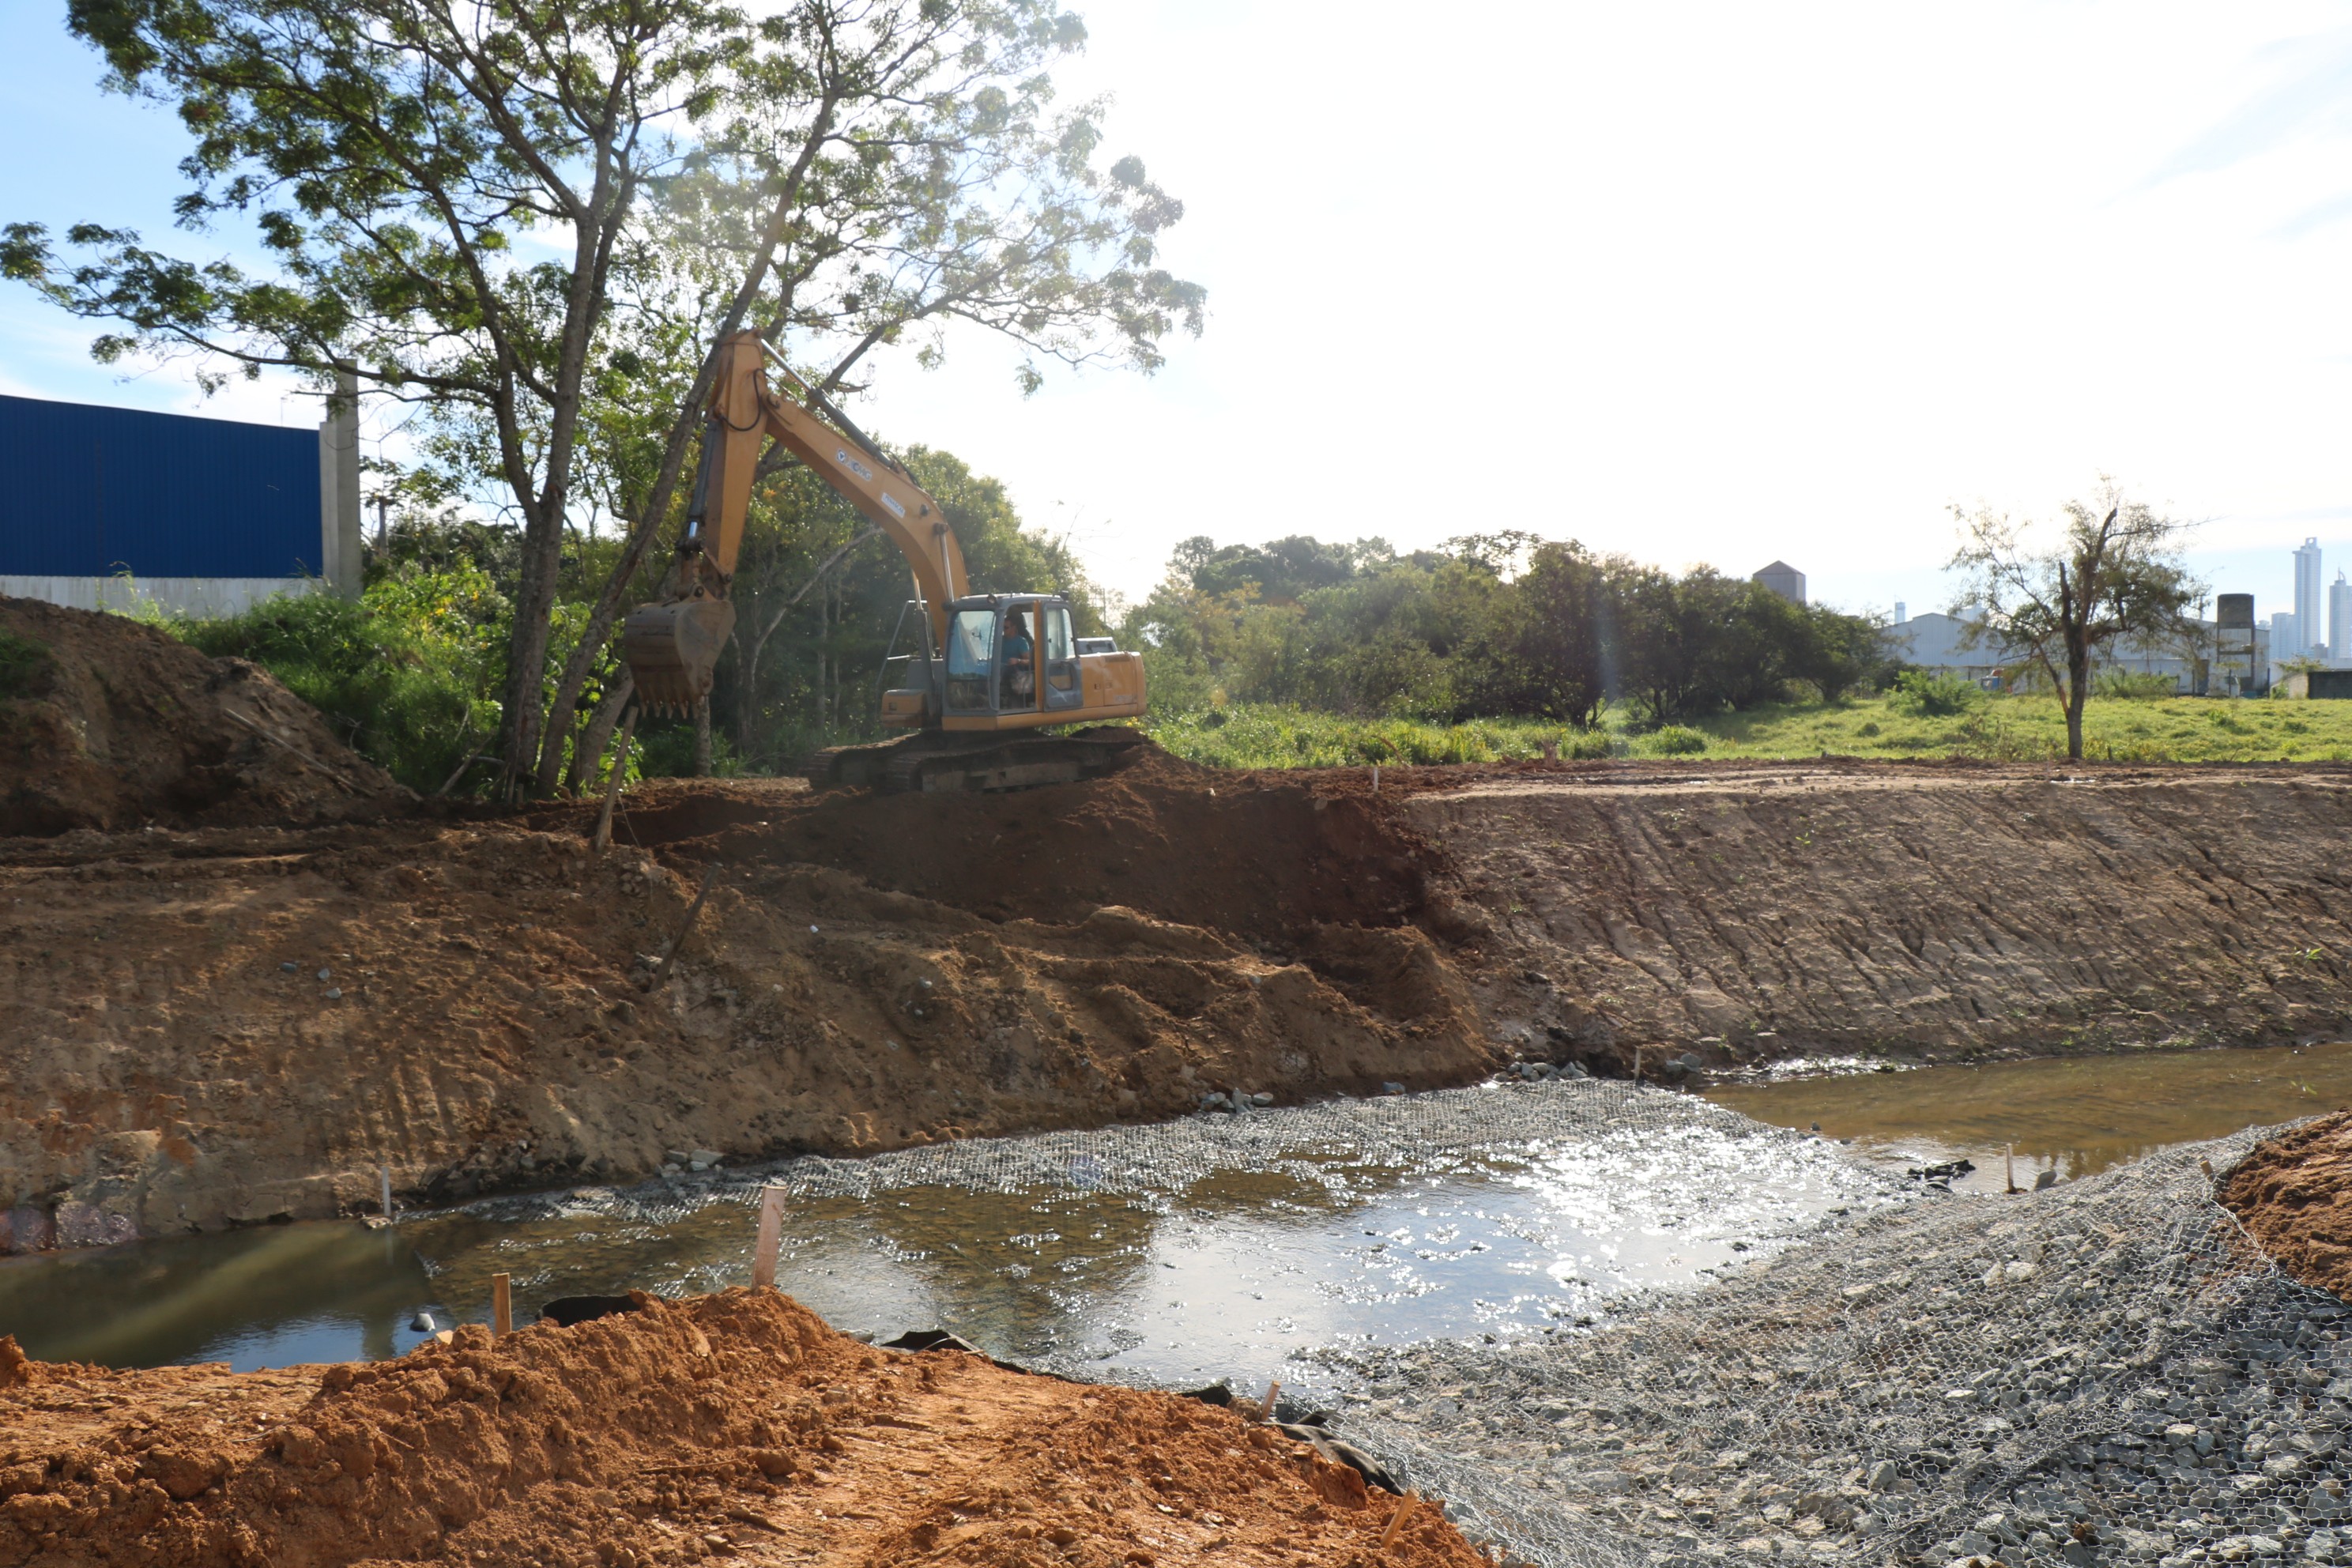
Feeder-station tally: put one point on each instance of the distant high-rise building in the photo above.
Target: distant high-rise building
(1902, 614)
(2307, 610)
(1784, 580)
(2286, 638)
(2339, 621)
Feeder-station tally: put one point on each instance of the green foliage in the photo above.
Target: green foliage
(2121, 685)
(407, 676)
(1269, 735)
(1933, 694)
(1487, 626)
(23, 662)
(1677, 741)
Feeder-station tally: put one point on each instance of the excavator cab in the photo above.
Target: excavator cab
(1008, 655)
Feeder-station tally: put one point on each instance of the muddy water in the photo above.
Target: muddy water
(2069, 1117)
(1212, 1247)
(1233, 1261)
(1229, 1276)
(273, 1297)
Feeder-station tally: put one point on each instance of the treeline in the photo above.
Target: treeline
(1503, 625)
(1487, 626)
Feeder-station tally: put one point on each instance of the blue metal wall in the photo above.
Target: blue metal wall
(88, 491)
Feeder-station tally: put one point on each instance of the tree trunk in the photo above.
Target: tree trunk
(2078, 691)
(590, 751)
(702, 737)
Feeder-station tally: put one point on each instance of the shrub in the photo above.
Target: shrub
(407, 676)
(1933, 694)
(2133, 686)
(1677, 740)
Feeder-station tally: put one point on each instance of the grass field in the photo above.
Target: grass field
(1998, 728)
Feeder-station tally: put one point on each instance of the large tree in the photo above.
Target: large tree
(2060, 596)
(533, 219)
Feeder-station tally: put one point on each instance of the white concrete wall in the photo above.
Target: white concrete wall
(204, 596)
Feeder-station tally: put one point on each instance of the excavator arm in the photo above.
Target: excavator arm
(673, 645)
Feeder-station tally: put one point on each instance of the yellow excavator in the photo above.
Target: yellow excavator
(994, 671)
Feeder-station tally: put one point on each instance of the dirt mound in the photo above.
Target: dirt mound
(733, 1428)
(1263, 855)
(107, 724)
(2293, 1194)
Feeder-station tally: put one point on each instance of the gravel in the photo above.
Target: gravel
(2105, 1372)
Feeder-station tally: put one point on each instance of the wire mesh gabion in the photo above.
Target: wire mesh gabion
(2103, 1372)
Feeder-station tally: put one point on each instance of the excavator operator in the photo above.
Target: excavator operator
(1014, 651)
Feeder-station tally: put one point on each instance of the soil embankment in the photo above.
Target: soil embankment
(2293, 1194)
(231, 1026)
(731, 1428)
(1939, 910)
(107, 724)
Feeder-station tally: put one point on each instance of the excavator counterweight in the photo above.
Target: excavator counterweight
(994, 668)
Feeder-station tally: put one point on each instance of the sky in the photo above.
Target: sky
(1717, 283)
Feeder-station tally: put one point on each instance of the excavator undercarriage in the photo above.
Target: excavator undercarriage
(937, 761)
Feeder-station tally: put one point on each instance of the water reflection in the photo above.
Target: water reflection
(1232, 1272)
(2070, 1117)
(278, 1296)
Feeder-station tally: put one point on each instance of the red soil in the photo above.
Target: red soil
(732, 1428)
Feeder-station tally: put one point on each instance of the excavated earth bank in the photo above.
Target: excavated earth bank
(251, 975)
(227, 1025)
(2293, 1194)
(731, 1428)
(105, 723)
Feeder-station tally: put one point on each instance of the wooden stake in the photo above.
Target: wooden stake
(684, 929)
(1266, 1407)
(2009, 1166)
(386, 1172)
(501, 1305)
(772, 1233)
(1376, 778)
(1396, 1520)
(613, 784)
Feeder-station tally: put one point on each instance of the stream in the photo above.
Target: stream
(1201, 1249)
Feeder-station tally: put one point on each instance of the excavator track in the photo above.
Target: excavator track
(934, 763)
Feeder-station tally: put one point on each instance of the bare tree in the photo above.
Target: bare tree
(2112, 570)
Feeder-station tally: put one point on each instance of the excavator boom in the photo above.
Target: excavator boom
(992, 665)
(673, 645)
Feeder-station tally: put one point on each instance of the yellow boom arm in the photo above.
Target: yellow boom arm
(673, 645)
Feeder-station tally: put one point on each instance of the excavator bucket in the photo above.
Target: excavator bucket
(672, 649)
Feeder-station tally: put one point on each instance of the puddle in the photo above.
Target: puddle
(1218, 1246)
(1231, 1275)
(277, 1296)
(1215, 1247)
(2071, 1116)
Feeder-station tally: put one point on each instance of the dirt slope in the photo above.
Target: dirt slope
(1934, 910)
(108, 724)
(2294, 1194)
(226, 1027)
(732, 1428)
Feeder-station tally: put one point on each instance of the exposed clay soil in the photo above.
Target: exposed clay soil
(117, 724)
(734, 1428)
(2293, 1194)
(1752, 912)
(226, 1027)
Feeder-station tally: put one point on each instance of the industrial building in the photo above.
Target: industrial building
(1784, 580)
(109, 508)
